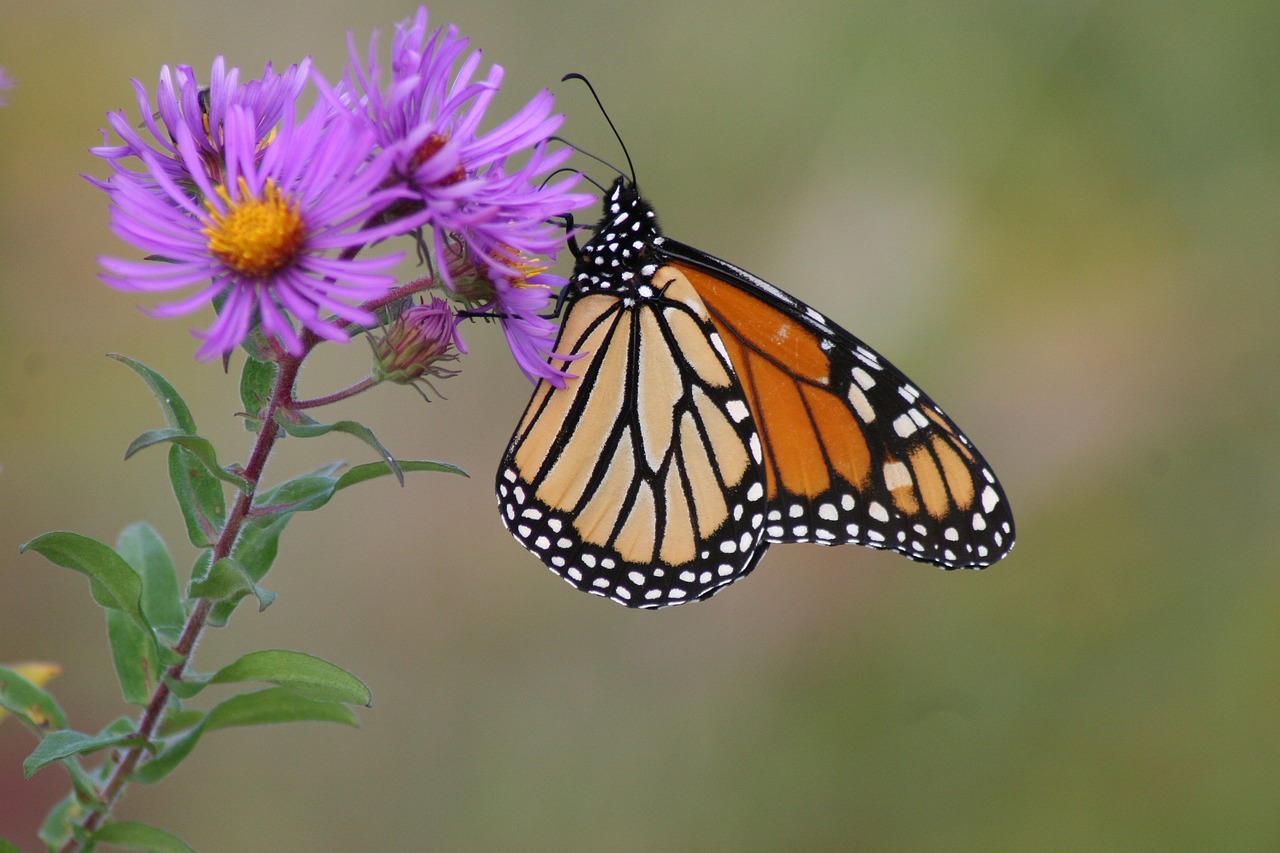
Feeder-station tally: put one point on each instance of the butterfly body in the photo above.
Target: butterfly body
(712, 414)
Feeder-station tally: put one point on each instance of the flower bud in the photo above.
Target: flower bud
(417, 343)
(469, 282)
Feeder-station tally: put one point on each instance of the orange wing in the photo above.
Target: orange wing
(853, 451)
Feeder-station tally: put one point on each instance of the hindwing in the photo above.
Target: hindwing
(642, 478)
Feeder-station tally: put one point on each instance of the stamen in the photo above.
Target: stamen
(256, 236)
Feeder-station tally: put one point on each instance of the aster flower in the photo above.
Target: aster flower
(263, 237)
(202, 110)
(428, 117)
(6, 83)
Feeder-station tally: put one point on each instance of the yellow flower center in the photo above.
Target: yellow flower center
(256, 236)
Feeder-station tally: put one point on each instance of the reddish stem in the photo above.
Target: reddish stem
(360, 387)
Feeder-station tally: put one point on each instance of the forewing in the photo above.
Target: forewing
(854, 452)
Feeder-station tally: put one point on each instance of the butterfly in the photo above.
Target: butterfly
(713, 415)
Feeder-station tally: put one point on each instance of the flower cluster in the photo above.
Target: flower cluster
(266, 209)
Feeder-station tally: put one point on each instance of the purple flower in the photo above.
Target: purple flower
(262, 240)
(6, 83)
(530, 336)
(202, 111)
(428, 118)
(517, 297)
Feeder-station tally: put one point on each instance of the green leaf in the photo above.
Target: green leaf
(140, 657)
(273, 705)
(259, 540)
(199, 447)
(134, 653)
(176, 413)
(372, 470)
(180, 721)
(227, 581)
(143, 549)
(8, 846)
(168, 757)
(303, 493)
(30, 702)
(299, 673)
(199, 494)
(306, 427)
(132, 835)
(188, 688)
(118, 726)
(257, 382)
(112, 581)
(83, 783)
(66, 743)
(56, 829)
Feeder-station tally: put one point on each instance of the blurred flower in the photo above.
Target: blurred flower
(262, 237)
(6, 83)
(202, 111)
(416, 344)
(38, 673)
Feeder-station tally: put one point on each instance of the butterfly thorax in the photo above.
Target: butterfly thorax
(626, 251)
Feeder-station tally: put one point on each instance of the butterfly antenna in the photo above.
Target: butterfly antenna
(585, 153)
(605, 113)
(582, 175)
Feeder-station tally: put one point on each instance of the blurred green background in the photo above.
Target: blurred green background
(1059, 217)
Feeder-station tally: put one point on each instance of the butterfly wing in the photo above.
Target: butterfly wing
(713, 414)
(854, 452)
(642, 479)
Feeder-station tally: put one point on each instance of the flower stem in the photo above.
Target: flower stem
(361, 386)
(111, 790)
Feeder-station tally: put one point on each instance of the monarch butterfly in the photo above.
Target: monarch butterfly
(714, 415)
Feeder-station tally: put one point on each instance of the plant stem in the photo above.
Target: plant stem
(360, 387)
(281, 396)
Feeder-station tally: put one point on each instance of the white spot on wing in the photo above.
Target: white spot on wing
(861, 405)
(989, 499)
(896, 476)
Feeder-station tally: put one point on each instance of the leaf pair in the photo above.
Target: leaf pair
(138, 586)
